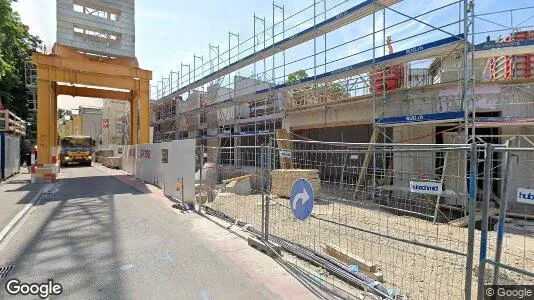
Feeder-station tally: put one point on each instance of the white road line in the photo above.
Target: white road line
(3, 234)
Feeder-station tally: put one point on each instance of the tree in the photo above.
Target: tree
(16, 47)
(336, 88)
(62, 113)
(296, 76)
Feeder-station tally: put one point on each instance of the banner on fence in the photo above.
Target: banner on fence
(525, 196)
(179, 172)
(426, 187)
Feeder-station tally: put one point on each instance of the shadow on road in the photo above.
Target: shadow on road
(77, 243)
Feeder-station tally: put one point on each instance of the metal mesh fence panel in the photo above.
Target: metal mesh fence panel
(375, 211)
(232, 182)
(507, 235)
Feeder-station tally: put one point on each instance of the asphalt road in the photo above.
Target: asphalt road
(102, 239)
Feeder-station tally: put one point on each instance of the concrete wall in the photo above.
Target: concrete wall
(245, 86)
(115, 111)
(353, 114)
(116, 34)
(216, 94)
(91, 119)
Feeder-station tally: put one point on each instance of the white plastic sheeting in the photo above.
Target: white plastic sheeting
(128, 159)
(148, 159)
(179, 172)
(175, 174)
(9, 155)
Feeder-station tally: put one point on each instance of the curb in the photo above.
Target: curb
(22, 213)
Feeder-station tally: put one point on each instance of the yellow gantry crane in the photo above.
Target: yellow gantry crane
(68, 72)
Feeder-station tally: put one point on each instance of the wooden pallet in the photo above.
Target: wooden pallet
(282, 180)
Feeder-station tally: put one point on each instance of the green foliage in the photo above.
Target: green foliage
(335, 87)
(62, 113)
(16, 47)
(296, 76)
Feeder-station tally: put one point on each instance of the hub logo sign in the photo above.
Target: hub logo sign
(426, 187)
(525, 196)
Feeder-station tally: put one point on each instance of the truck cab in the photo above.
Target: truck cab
(76, 150)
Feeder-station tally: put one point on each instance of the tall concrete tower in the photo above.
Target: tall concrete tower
(97, 27)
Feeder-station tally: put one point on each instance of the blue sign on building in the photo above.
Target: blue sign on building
(301, 199)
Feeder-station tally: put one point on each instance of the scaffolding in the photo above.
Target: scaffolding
(431, 78)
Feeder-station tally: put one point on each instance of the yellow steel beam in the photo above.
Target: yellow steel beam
(144, 112)
(69, 52)
(88, 66)
(133, 121)
(71, 69)
(45, 97)
(91, 92)
(72, 76)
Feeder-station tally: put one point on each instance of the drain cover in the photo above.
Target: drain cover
(4, 271)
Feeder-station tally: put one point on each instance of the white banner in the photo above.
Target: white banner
(179, 172)
(426, 187)
(525, 196)
(149, 163)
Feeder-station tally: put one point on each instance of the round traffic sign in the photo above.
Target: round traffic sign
(301, 199)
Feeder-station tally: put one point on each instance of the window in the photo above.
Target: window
(96, 34)
(98, 12)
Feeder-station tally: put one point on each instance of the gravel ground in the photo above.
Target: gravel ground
(416, 271)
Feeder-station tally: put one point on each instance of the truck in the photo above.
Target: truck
(76, 149)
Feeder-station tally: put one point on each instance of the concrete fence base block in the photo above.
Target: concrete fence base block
(272, 249)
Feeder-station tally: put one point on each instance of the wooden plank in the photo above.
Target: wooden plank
(464, 221)
(349, 258)
(366, 160)
(238, 178)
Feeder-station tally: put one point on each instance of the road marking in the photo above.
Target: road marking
(11, 225)
(127, 267)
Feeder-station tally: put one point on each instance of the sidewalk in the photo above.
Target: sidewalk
(15, 193)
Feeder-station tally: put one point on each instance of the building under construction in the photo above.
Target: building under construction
(445, 83)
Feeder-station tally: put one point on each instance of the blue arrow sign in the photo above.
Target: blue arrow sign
(301, 199)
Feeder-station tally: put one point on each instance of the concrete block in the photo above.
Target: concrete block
(240, 187)
(272, 249)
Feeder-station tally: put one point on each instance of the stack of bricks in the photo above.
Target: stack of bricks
(282, 180)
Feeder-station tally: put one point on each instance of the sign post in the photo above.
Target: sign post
(302, 199)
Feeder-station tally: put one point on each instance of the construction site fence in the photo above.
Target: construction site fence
(170, 166)
(399, 220)
(507, 229)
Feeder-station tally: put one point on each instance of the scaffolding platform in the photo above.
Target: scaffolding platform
(420, 52)
(341, 19)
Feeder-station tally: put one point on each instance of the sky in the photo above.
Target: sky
(170, 32)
